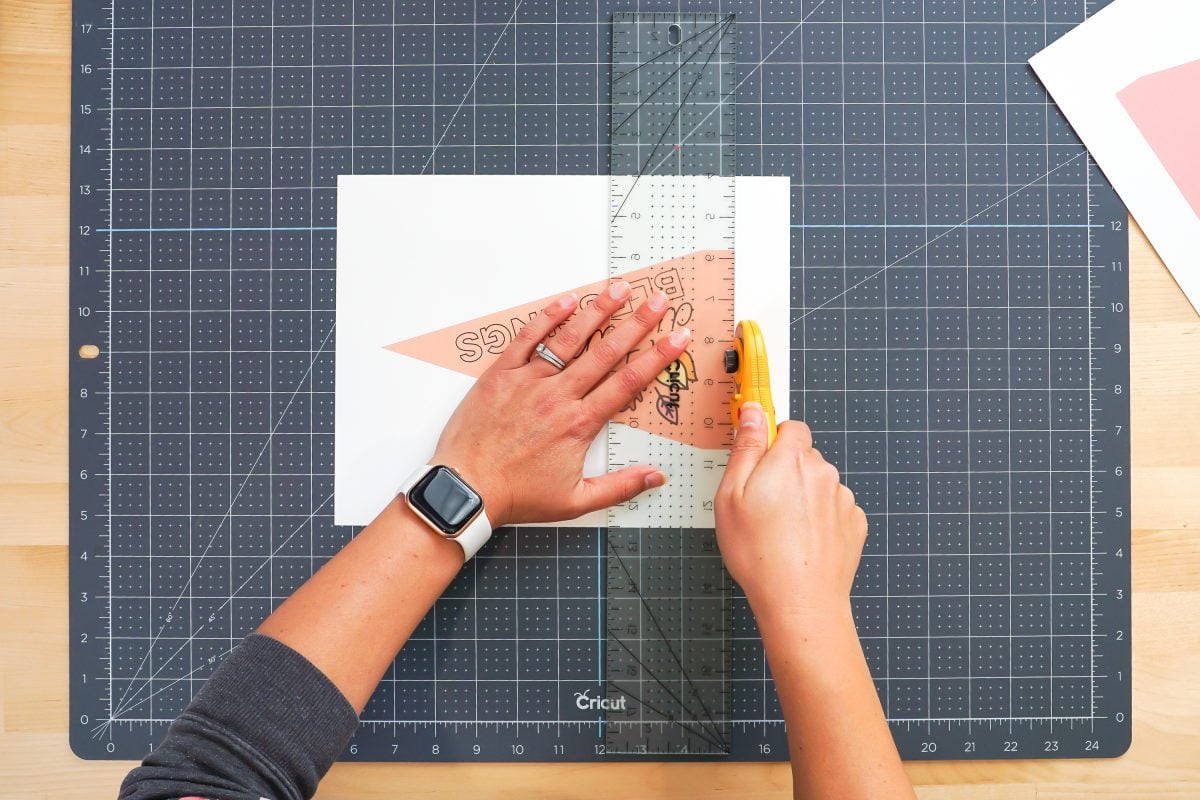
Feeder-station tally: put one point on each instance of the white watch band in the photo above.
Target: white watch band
(470, 538)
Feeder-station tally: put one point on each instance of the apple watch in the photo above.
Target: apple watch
(448, 504)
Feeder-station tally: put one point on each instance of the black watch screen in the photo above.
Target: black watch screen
(445, 500)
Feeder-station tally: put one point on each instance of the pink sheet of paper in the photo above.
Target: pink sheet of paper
(1165, 106)
(688, 402)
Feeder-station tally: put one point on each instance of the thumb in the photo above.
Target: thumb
(749, 446)
(603, 491)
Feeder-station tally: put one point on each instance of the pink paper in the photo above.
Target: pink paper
(1165, 106)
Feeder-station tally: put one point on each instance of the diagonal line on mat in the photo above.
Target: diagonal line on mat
(232, 503)
(486, 60)
(457, 110)
(99, 730)
(125, 706)
(757, 66)
(946, 232)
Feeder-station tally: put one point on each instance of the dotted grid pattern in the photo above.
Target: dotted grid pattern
(950, 389)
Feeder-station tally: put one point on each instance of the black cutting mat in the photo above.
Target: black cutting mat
(960, 347)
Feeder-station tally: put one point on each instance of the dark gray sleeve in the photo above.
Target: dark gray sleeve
(267, 724)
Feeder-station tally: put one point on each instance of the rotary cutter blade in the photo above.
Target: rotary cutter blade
(747, 362)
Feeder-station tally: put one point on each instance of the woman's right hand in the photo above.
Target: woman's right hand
(792, 536)
(789, 530)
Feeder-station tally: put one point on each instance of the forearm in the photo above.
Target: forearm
(838, 738)
(353, 616)
(274, 716)
(272, 719)
(265, 724)
(516, 438)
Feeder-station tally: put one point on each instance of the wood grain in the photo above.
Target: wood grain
(35, 761)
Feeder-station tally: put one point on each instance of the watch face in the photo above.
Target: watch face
(445, 500)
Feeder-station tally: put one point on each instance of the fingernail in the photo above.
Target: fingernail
(751, 415)
(657, 301)
(619, 290)
(655, 479)
(567, 301)
(679, 337)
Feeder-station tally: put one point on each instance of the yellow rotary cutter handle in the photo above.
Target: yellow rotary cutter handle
(747, 362)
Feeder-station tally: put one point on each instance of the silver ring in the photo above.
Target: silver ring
(543, 352)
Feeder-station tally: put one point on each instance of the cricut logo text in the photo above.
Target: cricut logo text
(583, 702)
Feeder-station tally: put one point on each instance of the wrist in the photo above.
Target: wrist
(419, 540)
(823, 620)
(492, 488)
(814, 657)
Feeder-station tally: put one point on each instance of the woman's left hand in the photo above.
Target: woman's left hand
(520, 435)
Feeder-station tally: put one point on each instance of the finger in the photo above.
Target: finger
(749, 446)
(854, 531)
(616, 487)
(845, 500)
(605, 353)
(520, 351)
(856, 519)
(860, 526)
(821, 473)
(623, 385)
(794, 434)
(568, 340)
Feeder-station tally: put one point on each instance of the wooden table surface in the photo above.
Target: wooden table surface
(35, 761)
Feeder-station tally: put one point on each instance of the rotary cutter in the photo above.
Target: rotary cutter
(747, 362)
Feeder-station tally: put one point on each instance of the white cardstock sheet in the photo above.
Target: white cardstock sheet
(417, 254)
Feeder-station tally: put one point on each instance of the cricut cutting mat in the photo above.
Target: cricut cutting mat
(960, 347)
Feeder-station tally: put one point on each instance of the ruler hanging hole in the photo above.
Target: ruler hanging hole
(674, 35)
(89, 351)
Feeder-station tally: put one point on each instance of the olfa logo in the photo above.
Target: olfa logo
(584, 701)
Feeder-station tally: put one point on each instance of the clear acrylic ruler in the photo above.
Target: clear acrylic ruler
(671, 212)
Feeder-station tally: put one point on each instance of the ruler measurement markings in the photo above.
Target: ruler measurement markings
(1050, 364)
(109, 342)
(1008, 371)
(654, 220)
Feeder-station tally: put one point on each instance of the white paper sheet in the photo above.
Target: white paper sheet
(1112, 78)
(419, 253)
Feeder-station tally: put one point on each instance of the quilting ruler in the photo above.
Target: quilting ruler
(960, 348)
(672, 202)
